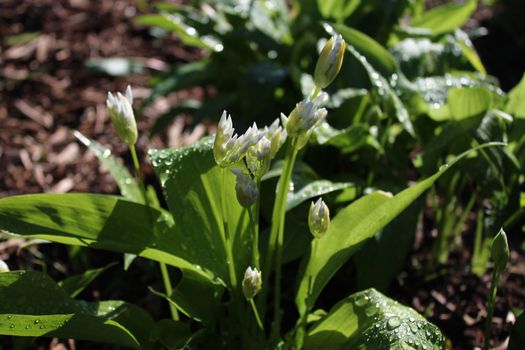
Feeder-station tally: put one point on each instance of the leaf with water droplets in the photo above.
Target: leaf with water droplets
(351, 325)
(47, 310)
(314, 189)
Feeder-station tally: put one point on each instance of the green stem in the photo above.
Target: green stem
(227, 241)
(254, 223)
(256, 314)
(316, 92)
(275, 243)
(490, 312)
(301, 326)
(163, 268)
(168, 289)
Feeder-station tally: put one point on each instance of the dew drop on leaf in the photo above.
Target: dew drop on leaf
(393, 323)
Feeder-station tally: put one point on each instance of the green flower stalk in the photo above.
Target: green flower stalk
(318, 218)
(121, 114)
(330, 61)
(500, 256)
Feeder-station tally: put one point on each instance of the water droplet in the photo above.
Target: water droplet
(106, 153)
(361, 301)
(413, 327)
(26, 327)
(37, 321)
(12, 326)
(371, 311)
(393, 323)
(9, 317)
(42, 327)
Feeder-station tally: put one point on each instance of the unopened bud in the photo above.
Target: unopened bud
(121, 114)
(251, 283)
(258, 157)
(318, 218)
(330, 61)
(245, 189)
(306, 115)
(3, 266)
(500, 251)
(277, 136)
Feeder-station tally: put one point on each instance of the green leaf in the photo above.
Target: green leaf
(175, 23)
(499, 252)
(74, 285)
(369, 320)
(516, 102)
(375, 53)
(468, 102)
(446, 18)
(108, 222)
(194, 186)
(377, 264)
(33, 305)
(172, 334)
(387, 95)
(351, 227)
(127, 184)
(517, 334)
(314, 189)
(348, 140)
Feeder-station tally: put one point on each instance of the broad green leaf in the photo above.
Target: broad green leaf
(375, 53)
(369, 320)
(469, 51)
(33, 305)
(99, 221)
(194, 187)
(175, 23)
(347, 140)
(387, 95)
(172, 334)
(127, 184)
(74, 285)
(338, 9)
(468, 102)
(351, 227)
(446, 18)
(314, 189)
(377, 264)
(516, 102)
(517, 334)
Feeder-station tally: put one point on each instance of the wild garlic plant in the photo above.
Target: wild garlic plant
(229, 291)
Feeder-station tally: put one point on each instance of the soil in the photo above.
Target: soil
(46, 90)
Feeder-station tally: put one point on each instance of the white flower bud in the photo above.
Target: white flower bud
(258, 157)
(245, 189)
(251, 283)
(277, 136)
(228, 149)
(318, 218)
(306, 115)
(3, 266)
(330, 61)
(121, 114)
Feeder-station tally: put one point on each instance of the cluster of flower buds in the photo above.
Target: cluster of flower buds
(306, 115)
(228, 148)
(251, 283)
(121, 114)
(318, 218)
(257, 147)
(330, 61)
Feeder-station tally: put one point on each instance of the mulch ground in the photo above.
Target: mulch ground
(46, 91)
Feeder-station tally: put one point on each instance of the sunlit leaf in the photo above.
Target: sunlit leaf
(33, 305)
(446, 18)
(369, 320)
